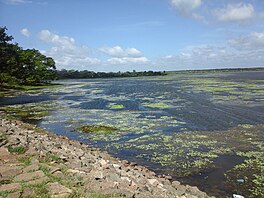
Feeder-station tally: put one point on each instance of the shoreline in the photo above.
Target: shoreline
(68, 168)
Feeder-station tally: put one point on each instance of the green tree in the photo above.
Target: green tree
(18, 66)
(8, 57)
(4, 38)
(35, 68)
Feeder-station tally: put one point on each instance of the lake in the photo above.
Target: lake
(203, 129)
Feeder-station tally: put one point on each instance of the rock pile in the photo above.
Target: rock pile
(34, 163)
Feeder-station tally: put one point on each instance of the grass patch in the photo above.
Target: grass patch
(17, 149)
(96, 129)
(41, 190)
(4, 194)
(46, 171)
(76, 194)
(25, 160)
(51, 158)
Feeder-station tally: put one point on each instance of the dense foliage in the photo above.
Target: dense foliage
(23, 67)
(74, 74)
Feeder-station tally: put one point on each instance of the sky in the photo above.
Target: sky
(126, 35)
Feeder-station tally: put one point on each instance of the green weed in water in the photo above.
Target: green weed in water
(97, 129)
(158, 105)
(116, 106)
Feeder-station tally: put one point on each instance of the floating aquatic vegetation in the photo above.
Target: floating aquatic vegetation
(252, 169)
(224, 90)
(115, 106)
(192, 152)
(28, 112)
(158, 105)
(96, 129)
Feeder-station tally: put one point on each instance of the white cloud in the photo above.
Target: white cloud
(66, 53)
(211, 12)
(127, 60)
(186, 6)
(133, 52)
(253, 41)
(117, 51)
(49, 37)
(235, 12)
(16, 2)
(190, 8)
(124, 56)
(25, 32)
(199, 53)
(70, 61)
(244, 51)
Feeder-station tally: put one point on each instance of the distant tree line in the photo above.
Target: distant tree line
(23, 67)
(216, 70)
(75, 74)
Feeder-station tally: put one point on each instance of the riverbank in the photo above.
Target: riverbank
(35, 163)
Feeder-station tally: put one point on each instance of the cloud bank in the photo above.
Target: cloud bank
(118, 55)
(239, 51)
(67, 54)
(243, 51)
(253, 41)
(219, 11)
(235, 12)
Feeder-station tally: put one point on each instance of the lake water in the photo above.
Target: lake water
(202, 129)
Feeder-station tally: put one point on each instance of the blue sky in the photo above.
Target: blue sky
(123, 35)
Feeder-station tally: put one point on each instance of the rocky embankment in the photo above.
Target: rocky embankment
(34, 163)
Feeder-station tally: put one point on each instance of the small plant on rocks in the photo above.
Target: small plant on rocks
(17, 149)
(25, 160)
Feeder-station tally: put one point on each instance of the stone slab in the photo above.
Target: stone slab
(29, 176)
(56, 189)
(10, 187)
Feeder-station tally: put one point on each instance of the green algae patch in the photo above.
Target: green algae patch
(97, 129)
(31, 112)
(115, 106)
(158, 105)
(224, 90)
(192, 152)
